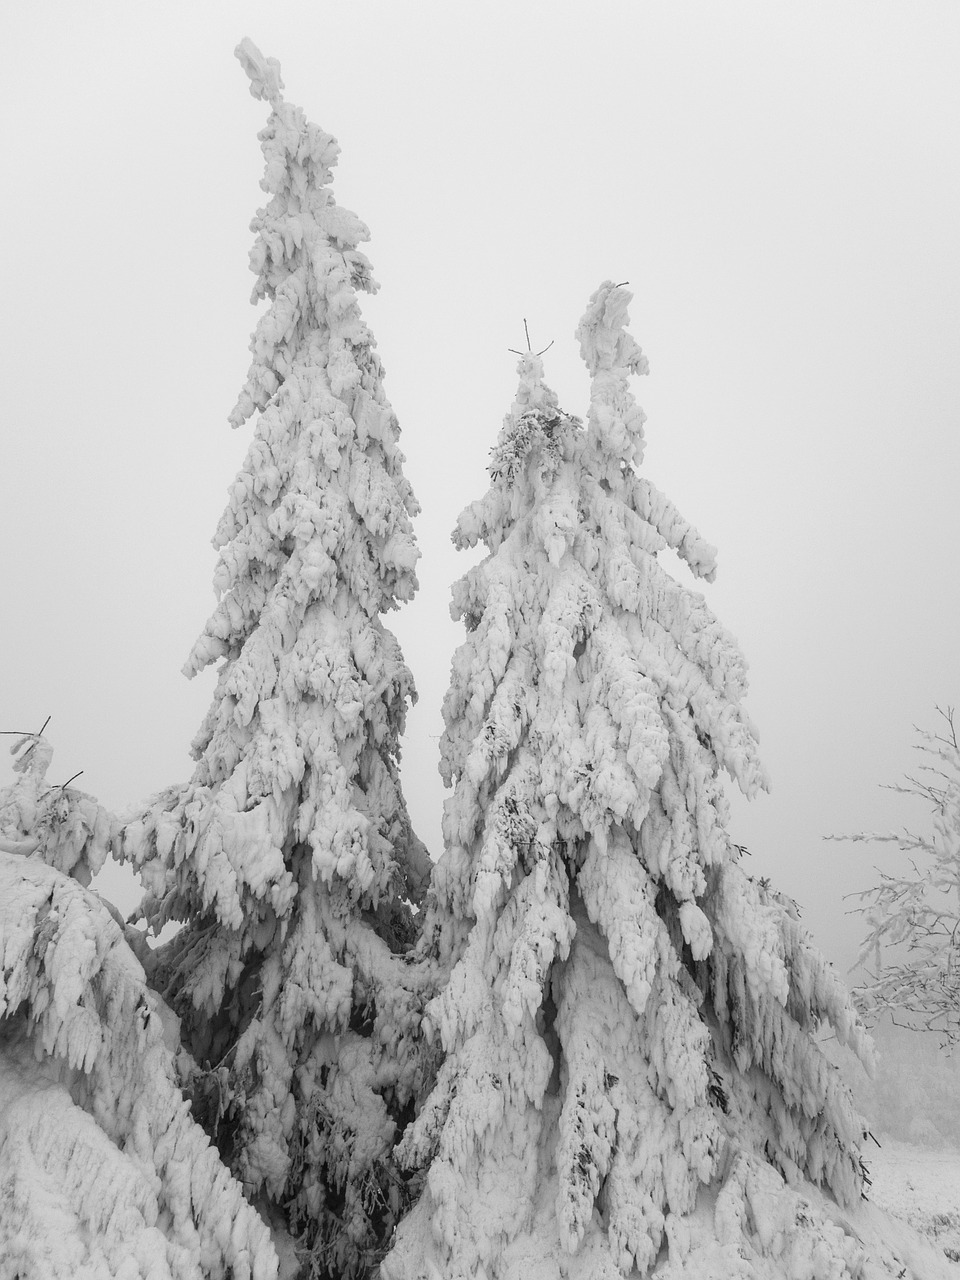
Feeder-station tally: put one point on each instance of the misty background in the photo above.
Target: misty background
(779, 185)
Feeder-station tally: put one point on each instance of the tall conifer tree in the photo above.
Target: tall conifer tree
(290, 854)
(627, 1017)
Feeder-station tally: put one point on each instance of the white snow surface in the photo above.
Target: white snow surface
(919, 1186)
(908, 1227)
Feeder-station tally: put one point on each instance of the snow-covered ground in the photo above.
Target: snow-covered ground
(921, 1186)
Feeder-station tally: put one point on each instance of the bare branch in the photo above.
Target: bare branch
(913, 938)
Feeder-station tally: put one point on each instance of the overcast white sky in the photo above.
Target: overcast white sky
(778, 182)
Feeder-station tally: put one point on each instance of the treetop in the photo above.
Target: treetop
(264, 73)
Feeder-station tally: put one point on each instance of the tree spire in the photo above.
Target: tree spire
(290, 852)
(625, 1017)
(264, 73)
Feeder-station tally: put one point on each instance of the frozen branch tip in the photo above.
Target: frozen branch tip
(264, 73)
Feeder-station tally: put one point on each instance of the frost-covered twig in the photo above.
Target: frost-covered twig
(913, 921)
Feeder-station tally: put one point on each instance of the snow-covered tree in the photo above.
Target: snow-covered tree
(103, 1171)
(627, 1018)
(61, 825)
(289, 856)
(912, 949)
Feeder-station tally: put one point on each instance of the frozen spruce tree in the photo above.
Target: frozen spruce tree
(289, 856)
(103, 1171)
(631, 1082)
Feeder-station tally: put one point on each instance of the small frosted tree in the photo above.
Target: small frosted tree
(61, 825)
(103, 1171)
(626, 1017)
(911, 953)
(289, 856)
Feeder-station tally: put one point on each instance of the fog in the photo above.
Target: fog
(778, 184)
